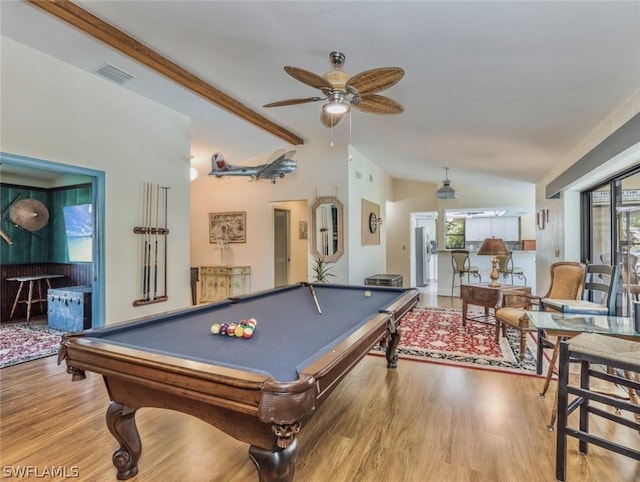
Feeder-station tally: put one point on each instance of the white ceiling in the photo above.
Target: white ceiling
(493, 90)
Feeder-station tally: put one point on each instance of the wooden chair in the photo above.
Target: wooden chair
(598, 297)
(592, 349)
(461, 265)
(567, 281)
(506, 268)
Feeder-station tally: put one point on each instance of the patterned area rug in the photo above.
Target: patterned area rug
(436, 335)
(22, 342)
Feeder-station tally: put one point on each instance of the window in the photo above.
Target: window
(454, 234)
(613, 236)
(78, 222)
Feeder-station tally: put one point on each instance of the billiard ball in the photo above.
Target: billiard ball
(248, 332)
(231, 330)
(215, 328)
(239, 331)
(252, 322)
(367, 294)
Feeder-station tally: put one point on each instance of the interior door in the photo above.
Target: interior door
(281, 256)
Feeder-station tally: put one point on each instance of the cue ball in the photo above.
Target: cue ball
(367, 294)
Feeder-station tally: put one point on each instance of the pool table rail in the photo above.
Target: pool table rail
(251, 406)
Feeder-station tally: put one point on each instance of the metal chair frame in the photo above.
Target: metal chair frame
(461, 265)
(506, 268)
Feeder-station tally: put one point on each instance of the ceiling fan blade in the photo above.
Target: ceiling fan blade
(375, 80)
(309, 78)
(378, 104)
(330, 120)
(281, 103)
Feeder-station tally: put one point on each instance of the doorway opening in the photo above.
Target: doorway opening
(424, 250)
(290, 242)
(26, 172)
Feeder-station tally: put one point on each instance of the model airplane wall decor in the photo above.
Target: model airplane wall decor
(273, 170)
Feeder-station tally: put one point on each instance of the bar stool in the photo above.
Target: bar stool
(506, 268)
(615, 353)
(461, 265)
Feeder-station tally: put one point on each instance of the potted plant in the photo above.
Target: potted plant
(321, 270)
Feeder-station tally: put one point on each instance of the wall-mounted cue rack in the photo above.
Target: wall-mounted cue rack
(153, 244)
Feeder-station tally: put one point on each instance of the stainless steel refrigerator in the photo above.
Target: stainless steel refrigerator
(424, 249)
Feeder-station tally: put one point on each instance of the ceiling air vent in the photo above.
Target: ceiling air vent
(113, 73)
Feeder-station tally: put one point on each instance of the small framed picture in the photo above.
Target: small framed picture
(541, 219)
(303, 230)
(228, 227)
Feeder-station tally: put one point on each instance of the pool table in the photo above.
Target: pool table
(259, 390)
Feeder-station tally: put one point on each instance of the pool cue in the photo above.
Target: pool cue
(155, 267)
(142, 238)
(147, 295)
(315, 298)
(145, 278)
(166, 235)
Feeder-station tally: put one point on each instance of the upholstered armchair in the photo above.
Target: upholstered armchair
(567, 281)
(598, 295)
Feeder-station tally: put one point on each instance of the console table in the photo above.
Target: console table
(37, 280)
(484, 295)
(221, 282)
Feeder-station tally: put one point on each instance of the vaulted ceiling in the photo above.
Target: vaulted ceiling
(493, 90)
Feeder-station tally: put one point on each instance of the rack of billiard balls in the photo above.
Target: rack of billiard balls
(237, 329)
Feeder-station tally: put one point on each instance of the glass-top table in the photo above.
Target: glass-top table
(572, 324)
(566, 325)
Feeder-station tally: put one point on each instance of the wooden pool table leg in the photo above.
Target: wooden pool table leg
(275, 466)
(121, 421)
(392, 347)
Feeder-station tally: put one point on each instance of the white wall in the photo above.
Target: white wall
(322, 171)
(53, 111)
(407, 197)
(366, 181)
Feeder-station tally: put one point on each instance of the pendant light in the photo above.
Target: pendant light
(446, 191)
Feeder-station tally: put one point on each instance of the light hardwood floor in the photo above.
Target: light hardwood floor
(420, 422)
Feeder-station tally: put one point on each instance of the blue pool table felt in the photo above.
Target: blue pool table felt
(290, 332)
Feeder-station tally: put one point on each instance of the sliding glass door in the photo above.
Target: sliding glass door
(628, 234)
(614, 232)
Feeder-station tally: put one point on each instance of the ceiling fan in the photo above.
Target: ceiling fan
(342, 91)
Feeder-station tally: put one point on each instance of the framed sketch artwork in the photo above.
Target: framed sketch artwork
(228, 227)
(303, 230)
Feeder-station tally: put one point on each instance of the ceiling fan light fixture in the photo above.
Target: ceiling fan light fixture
(343, 91)
(446, 191)
(336, 107)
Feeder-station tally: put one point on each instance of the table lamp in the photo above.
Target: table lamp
(493, 247)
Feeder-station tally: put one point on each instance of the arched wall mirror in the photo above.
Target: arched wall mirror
(327, 229)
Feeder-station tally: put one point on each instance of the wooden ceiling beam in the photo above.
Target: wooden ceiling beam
(99, 29)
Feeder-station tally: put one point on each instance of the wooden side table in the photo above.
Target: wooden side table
(484, 295)
(29, 301)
